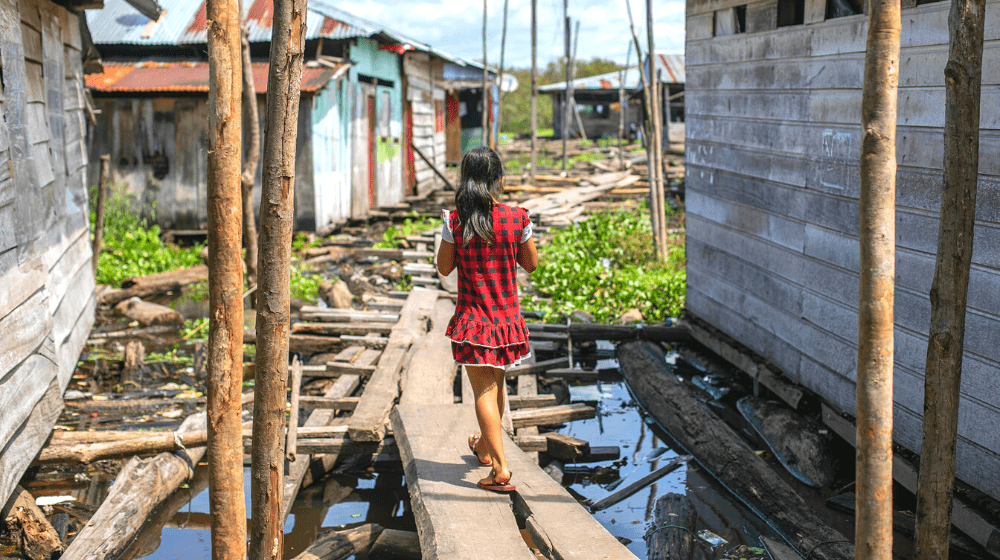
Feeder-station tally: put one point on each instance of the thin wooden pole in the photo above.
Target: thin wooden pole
(656, 132)
(486, 103)
(251, 126)
(572, 78)
(503, 47)
(949, 291)
(102, 197)
(565, 96)
(873, 522)
(534, 88)
(225, 284)
(277, 194)
(654, 215)
(621, 109)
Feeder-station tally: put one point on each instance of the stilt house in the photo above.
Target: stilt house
(46, 270)
(773, 147)
(368, 96)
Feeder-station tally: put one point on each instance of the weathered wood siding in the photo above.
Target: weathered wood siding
(773, 143)
(331, 155)
(46, 272)
(159, 155)
(426, 96)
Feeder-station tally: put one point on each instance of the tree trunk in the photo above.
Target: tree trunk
(251, 127)
(873, 523)
(102, 197)
(225, 284)
(656, 142)
(267, 463)
(486, 117)
(534, 88)
(963, 80)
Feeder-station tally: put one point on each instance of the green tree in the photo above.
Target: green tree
(516, 105)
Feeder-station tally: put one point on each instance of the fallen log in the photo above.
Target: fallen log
(396, 545)
(658, 333)
(131, 406)
(155, 284)
(139, 488)
(643, 482)
(672, 535)
(335, 545)
(552, 415)
(721, 451)
(28, 528)
(86, 453)
(149, 314)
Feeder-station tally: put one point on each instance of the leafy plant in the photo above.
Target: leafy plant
(607, 265)
(170, 357)
(304, 286)
(301, 242)
(411, 226)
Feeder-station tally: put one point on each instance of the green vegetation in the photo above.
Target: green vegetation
(304, 284)
(411, 226)
(170, 357)
(300, 242)
(132, 247)
(606, 266)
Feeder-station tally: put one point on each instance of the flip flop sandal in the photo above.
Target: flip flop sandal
(472, 447)
(496, 485)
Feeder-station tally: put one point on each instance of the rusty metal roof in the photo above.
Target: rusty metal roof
(189, 77)
(669, 67)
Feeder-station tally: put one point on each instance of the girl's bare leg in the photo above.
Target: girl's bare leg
(485, 382)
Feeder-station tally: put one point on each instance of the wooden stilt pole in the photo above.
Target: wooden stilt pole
(873, 522)
(572, 77)
(565, 96)
(102, 197)
(943, 376)
(225, 284)
(622, 109)
(534, 88)
(251, 126)
(486, 92)
(656, 133)
(268, 458)
(503, 48)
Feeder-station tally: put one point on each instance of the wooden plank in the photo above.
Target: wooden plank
(23, 330)
(71, 347)
(536, 368)
(346, 403)
(627, 491)
(343, 387)
(552, 415)
(522, 401)
(341, 328)
(22, 388)
(368, 423)
(429, 378)
(335, 369)
(19, 452)
(328, 315)
(441, 476)
(20, 282)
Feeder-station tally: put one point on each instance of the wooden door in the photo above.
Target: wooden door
(372, 136)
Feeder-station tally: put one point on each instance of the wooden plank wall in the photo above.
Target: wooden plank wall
(424, 91)
(159, 155)
(47, 300)
(773, 142)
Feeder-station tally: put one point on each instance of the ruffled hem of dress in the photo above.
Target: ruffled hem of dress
(504, 357)
(488, 335)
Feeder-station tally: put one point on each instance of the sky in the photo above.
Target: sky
(455, 26)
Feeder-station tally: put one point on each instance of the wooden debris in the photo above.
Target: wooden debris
(659, 333)
(341, 328)
(396, 545)
(28, 528)
(132, 359)
(149, 314)
(566, 448)
(721, 451)
(672, 536)
(346, 403)
(627, 491)
(303, 343)
(336, 295)
(336, 369)
(131, 406)
(325, 315)
(536, 368)
(794, 440)
(571, 374)
(522, 401)
(334, 545)
(291, 436)
(552, 415)
(368, 423)
(85, 453)
(369, 340)
(156, 284)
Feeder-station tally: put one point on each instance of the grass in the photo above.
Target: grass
(607, 265)
(131, 246)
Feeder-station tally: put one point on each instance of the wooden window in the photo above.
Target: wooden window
(731, 21)
(438, 116)
(791, 12)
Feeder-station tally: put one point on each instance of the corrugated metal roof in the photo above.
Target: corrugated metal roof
(669, 67)
(184, 22)
(188, 77)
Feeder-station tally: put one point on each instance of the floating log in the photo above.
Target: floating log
(520, 402)
(658, 333)
(139, 488)
(567, 448)
(396, 545)
(156, 284)
(28, 527)
(131, 406)
(643, 482)
(149, 314)
(722, 452)
(794, 440)
(86, 453)
(552, 415)
(368, 423)
(334, 545)
(672, 535)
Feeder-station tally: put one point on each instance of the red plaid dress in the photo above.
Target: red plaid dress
(487, 328)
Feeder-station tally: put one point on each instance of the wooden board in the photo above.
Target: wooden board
(429, 378)
(19, 452)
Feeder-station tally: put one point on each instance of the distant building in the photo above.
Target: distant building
(772, 194)
(369, 95)
(46, 268)
(597, 101)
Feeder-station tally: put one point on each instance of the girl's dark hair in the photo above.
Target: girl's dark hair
(481, 182)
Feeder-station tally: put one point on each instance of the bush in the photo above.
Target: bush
(607, 265)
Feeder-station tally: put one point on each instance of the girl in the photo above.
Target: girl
(486, 241)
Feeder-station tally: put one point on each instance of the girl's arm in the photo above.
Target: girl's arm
(527, 255)
(446, 258)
